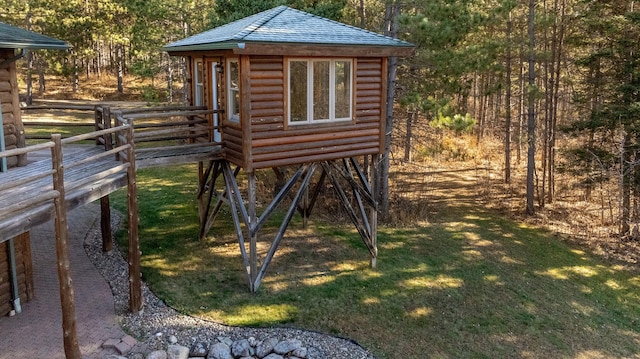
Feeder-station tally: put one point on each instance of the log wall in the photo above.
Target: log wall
(24, 269)
(274, 144)
(12, 122)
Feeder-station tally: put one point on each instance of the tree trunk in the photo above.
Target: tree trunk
(42, 87)
(391, 29)
(408, 140)
(361, 14)
(531, 119)
(521, 101)
(625, 190)
(545, 82)
(507, 115)
(554, 112)
(75, 74)
(29, 81)
(170, 81)
(119, 60)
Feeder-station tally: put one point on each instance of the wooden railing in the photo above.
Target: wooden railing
(31, 125)
(28, 192)
(48, 189)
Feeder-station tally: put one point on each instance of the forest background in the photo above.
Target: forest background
(552, 86)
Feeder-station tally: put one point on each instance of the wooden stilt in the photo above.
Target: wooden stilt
(105, 224)
(69, 330)
(202, 184)
(374, 209)
(229, 182)
(285, 223)
(360, 219)
(362, 187)
(253, 233)
(305, 208)
(135, 280)
(316, 193)
(285, 190)
(213, 172)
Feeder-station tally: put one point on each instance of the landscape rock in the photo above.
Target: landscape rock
(266, 347)
(159, 325)
(157, 354)
(220, 351)
(241, 348)
(177, 352)
(287, 346)
(198, 350)
(300, 353)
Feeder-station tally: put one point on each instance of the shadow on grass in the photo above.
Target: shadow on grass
(470, 284)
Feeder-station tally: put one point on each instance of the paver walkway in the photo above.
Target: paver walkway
(37, 331)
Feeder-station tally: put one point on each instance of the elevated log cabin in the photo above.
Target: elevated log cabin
(294, 87)
(16, 279)
(298, 90)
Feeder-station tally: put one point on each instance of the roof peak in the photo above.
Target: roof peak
(268, 15)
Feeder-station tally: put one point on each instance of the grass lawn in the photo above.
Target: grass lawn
(469, 284)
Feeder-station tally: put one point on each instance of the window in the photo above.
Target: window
(319, 91)
(199, 81)
(233, 90)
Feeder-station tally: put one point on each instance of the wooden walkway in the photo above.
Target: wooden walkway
(76, 173)
(89, 172)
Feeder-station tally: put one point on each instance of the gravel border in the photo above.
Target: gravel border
(158, 322)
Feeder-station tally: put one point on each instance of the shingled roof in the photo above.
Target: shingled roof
(12, 37)
(284, 25)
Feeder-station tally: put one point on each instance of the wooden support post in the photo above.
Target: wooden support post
(316, 192)
(253, 233)
(374, 210)
(135, 280)
(285, 222)
(220, 198)
(105, 224)
(358, 220)
(202, 184)
(69, 330)
(305, 208)
(231, 185)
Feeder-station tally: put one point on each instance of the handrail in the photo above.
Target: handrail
(23, 150)
(94, 134)
(170, 114)
(60, 107)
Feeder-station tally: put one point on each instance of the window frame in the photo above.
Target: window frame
(332, 90)
(233, 117)
(199, 77)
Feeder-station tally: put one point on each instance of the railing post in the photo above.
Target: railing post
(135, 280)
(105, 206)
(97, 116)
(69, 331)
(106, 123)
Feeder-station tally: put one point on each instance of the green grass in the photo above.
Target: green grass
(471, 284)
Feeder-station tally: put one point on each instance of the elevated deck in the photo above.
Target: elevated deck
(93, 171)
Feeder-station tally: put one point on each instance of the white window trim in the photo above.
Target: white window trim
(199, 89)
(232, 116)
(332, 91)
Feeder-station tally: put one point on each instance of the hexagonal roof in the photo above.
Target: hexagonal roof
(284, 25)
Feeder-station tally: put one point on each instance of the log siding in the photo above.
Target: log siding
(274, 144)
(23, 269)
(11, 116)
